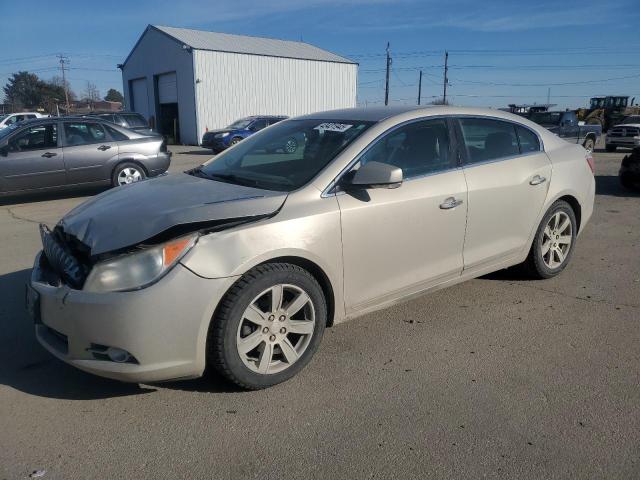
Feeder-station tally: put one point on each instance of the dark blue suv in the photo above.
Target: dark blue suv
(218, 140)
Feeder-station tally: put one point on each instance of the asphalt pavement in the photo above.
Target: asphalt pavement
(498, 377)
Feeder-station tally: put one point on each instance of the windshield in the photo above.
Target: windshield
(634, 119)
(546, 118)
(283, 157)
(240, 124)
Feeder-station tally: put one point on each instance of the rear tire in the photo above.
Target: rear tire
(248, 342)
(627, 181)
(234, 141)
(554, 242)
(126, 173)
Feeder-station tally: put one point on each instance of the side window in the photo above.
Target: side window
(258, 125)
(40, 137)
(12, 120)
(418, 148)
(115, 134)
(488, 139)
(83, 133)
(528, 140)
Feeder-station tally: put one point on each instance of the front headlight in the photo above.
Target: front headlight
(140, 269)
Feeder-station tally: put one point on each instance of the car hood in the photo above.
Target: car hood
(128, 215)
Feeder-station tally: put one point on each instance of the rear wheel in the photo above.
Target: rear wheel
(235, 140)
(552, 246)
(126, 173)
(268, 326)
(589, 144)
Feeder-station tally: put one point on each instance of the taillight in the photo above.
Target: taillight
(591, 163)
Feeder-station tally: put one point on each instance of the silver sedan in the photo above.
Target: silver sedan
(244, 261)
(65, 152)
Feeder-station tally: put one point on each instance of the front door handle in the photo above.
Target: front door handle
(451, 202)
(104, 147)
(49, 154)
(537, 180)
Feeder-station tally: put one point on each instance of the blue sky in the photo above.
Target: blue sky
(500, 51)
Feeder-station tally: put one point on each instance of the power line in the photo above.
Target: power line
(559, 84)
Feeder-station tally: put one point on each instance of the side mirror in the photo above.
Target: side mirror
(373, 175)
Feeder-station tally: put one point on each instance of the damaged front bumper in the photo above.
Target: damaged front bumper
(162, 328)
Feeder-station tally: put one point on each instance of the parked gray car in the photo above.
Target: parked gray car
(54, 153)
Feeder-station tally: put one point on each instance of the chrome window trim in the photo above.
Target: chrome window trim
(327, 192)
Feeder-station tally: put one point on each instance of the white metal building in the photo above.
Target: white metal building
(187, 81)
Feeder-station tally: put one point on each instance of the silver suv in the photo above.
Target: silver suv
(56, 153)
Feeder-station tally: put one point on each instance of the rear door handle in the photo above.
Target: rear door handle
(537, 180)
(104, 147)
(49, 154)
(450, 202)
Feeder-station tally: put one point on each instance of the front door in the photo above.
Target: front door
(508, 176)
(88, 148)
(33, 159)
(402, 240)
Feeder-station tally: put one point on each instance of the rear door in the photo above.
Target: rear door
(88, 147)
(507, 175)
(33, 160)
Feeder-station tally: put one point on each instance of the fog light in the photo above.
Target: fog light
(117, 355)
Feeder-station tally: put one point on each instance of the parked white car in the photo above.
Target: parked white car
(12, 118)
(241, 263)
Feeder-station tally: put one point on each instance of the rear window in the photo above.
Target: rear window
(528, 140)
(134, 120)
(488, 139)
(115, 134)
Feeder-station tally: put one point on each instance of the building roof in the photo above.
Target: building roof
(225, 42)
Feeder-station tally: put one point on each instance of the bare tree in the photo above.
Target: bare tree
(91, 94)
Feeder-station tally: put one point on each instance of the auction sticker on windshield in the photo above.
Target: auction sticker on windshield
(333, 127)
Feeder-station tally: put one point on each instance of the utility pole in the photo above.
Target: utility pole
(64, 60)
(446, 80)
(419, 87)
(548, 96)
(386, 88)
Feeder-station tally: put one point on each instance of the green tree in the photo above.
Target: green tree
(114, 95)
(26, 90)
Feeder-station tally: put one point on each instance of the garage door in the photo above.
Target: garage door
(167, 88)
(140, 97)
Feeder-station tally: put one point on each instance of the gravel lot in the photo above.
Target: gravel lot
(498, 377)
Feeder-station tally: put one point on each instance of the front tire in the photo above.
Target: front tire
(268, 326)
(589, 144)
(553, 244)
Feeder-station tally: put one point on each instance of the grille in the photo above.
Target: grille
(625, 132)
(61, 260)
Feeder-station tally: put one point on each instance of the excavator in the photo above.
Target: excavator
(608, 111)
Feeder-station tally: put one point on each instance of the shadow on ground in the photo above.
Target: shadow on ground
(29, 368)
(44, 197)
(610, 185)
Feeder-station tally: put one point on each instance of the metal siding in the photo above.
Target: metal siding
(230, 86)
(157, 54)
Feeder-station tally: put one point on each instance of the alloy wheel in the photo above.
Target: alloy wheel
(276, 329)
(129, 175)
(557, 238)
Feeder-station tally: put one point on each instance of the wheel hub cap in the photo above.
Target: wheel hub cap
(557, 239)
(276, 329)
